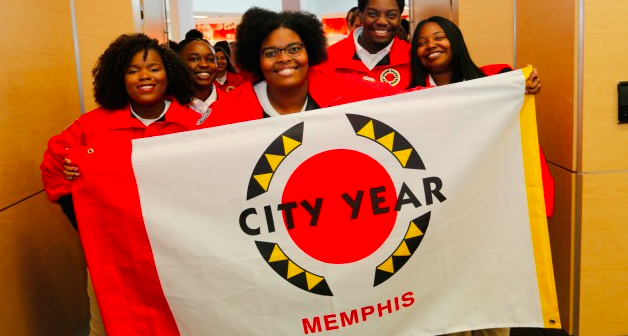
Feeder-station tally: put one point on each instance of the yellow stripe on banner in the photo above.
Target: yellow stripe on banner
(536, 211)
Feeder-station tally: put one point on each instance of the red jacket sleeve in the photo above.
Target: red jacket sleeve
(55, 183)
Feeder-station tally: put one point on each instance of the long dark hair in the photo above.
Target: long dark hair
(224, 47)
(461, 62)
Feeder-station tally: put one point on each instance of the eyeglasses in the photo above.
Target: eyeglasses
(293, 50)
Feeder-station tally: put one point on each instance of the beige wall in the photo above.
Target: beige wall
(604, 257)
(40, 259)
(548, 41)
(605, 146)
(562, 233)
(98, 23)
(41, 262)
(488, 28)
(42, 267)
(603, 308)
(38, 96)
(539, 30)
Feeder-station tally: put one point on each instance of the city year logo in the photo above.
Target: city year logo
(390, 76)
(339, 206)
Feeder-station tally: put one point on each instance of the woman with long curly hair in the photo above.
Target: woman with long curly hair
(143, 90)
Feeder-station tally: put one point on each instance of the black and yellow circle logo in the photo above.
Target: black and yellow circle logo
(342, 231)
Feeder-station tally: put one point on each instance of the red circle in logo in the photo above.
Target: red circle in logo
(336, 238)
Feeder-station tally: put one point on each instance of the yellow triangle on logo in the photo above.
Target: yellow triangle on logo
(413, 231)
(312, 280)
(277, 255)
(289, 144)
(293, 269)
(387, 140)
(274, 160)
(402, 250)
(403, 155)
(387, 266)
(264, 180)
(368, 131)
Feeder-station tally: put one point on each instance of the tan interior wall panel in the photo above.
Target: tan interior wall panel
(42, 267)
(605, 61)
(545, 39)
(561, 229)
(604, 256)
(98, 24)
(488, 29)
(38, 90)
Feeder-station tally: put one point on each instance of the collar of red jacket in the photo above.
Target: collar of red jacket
(341, 54)
(177, 113)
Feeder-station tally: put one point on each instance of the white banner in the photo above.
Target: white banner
(416, 214)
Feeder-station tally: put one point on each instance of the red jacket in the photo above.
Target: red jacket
(233, 81)
(102, 126)
(393, 69)
(325, 88)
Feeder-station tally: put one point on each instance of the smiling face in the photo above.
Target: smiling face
(221, 60)
(145, 82)
(284, 71)
(380, 21)
(201, 61)
(434, 49)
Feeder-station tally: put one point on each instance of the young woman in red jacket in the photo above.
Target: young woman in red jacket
(281, 52)
(439, 56)
(143, 90)
(227, 78)
(200, 58)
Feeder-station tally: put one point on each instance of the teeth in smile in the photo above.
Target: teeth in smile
(381, 31)
(202, 75)
(146, 87)
(434, 55)
(286, 72)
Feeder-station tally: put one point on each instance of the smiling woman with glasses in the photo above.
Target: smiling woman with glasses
(285, 54)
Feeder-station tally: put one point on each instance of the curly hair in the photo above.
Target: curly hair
(109, 88)
(461, 62)
(258, 23)
(400, 3)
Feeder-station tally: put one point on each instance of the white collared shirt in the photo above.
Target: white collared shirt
(222, 79)
(369, 60)
(431, 80)
(262, 96)
(147, 122)
(201, 106)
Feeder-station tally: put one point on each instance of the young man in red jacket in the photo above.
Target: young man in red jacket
(374, 50)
